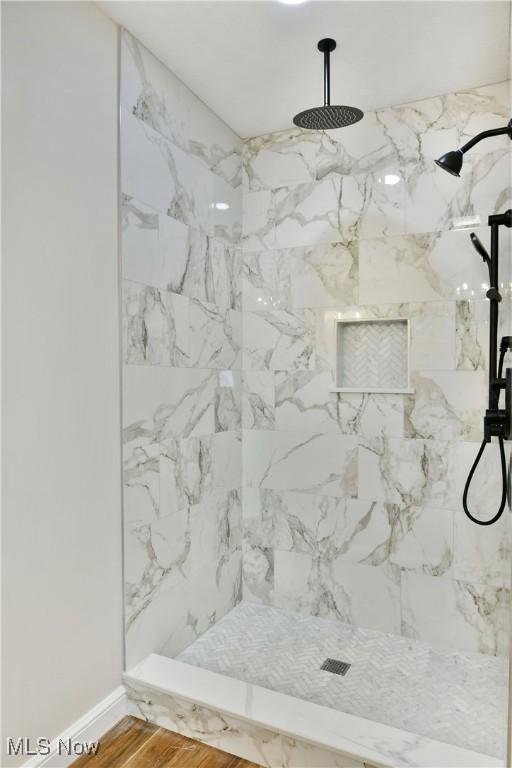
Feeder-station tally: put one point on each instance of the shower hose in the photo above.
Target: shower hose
(503, 472)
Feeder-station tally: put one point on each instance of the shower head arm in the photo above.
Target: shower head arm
(327, 46)
(507, 129)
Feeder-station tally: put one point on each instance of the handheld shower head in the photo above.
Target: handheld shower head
(479, 248)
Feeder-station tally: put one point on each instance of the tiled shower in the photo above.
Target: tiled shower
(256, 490)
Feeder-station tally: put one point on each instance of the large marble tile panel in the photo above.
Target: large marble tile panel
(140, 242)
(421, 540)
(221, 269)
(325, 275)
(420, 130)
(154, 94)
(267, 279)
(310, 462)
(413, 472)
(226, 208)
(215, 528)
(356, 594)
(280, 159)
(162, 175)
(472, 617)
(199, 266)
(373, 204)
(472, 333)
(258, 547)
(258, 574)
(227, 459)
(432, 335)
(141, 478)
(215, 336)
(364, 532)
(420, 268)
(258, 221)
(483, 553)
(174, 618)
(446, 405)
(357, 149)
(279, 340)
(304, 401)
(370, 415)
(228, 401)
(160, 404)
(205, 598)
(258, 516)
(157, 557)
(311, 213)
(258, 400)
(156, 326)
(162, 401)
(147, 169)
(408, 472)
(186, 472)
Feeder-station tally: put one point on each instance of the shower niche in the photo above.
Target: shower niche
(372, 356)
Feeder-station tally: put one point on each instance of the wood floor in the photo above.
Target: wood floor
(133, 743)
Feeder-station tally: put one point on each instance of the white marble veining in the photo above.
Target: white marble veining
(306, 461)
(469, 616)
(446, 405)
(182, 346)
(350, 506)
(278, 340)
(152, 93)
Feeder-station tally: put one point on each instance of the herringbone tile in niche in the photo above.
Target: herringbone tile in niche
(373, 354)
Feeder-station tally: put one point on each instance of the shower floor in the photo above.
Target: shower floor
(459, 698)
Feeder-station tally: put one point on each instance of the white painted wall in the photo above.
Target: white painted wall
(62, 606)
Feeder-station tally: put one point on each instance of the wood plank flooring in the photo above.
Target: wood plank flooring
(133, 743)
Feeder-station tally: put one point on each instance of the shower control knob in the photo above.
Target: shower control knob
(493, 294)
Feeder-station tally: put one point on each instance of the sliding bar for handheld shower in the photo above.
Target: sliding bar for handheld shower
(497, 421)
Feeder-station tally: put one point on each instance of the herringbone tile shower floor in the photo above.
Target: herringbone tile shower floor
(460, 698)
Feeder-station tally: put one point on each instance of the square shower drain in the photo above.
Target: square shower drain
(336, 666)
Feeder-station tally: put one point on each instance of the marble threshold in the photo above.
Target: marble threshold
(355, 737)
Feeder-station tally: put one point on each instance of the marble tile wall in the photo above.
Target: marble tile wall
(352, 503)
(182, 324)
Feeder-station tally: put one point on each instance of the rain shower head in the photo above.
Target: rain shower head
(452, 161)
(328, 116)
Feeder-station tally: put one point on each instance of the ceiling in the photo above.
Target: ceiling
(256, 63)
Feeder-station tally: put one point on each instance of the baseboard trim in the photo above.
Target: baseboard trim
(88, 728)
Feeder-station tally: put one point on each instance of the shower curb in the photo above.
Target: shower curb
(274, 729)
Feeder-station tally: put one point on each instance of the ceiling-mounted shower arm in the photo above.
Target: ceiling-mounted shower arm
(327, 46)
(452, 161)
(329, 116)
